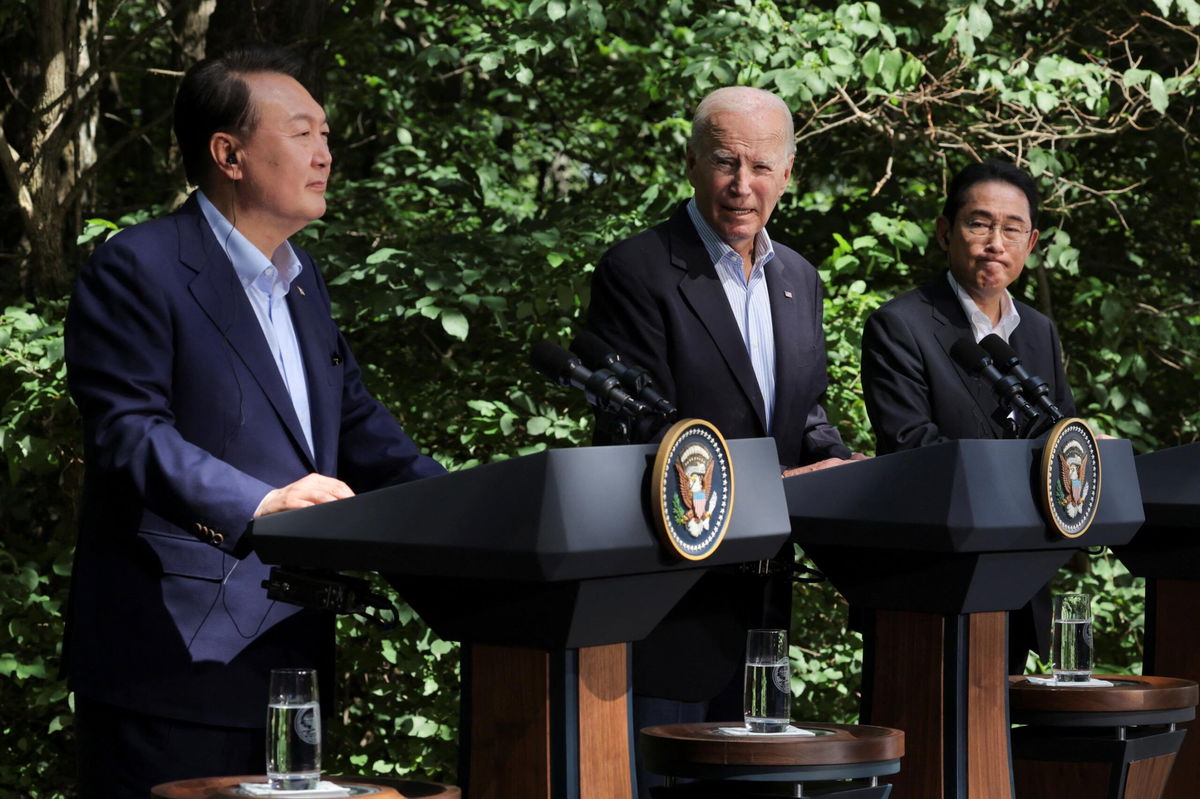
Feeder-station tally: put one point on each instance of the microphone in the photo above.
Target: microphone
(601, 388)
(1008, 361)
(975, 360)
(638, 382)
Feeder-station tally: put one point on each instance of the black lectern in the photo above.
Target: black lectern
(1166, 552)
(547, 565)
(938, 542)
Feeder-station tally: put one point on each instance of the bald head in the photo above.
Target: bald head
(742, 101)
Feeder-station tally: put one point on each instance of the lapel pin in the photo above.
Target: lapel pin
(787, 294)
(301, 290)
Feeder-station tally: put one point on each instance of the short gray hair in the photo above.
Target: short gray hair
(738, 99)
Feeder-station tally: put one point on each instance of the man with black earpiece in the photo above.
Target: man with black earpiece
(215, 388)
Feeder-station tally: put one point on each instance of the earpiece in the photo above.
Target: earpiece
(232, 159)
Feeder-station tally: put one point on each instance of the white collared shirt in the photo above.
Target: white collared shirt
(266, 282)
(981, 324)
(749, 300)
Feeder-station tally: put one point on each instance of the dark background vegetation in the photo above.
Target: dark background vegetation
(486, 152)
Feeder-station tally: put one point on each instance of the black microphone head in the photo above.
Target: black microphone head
(596, 354)
(1005, 356)
(970, 355)
(551, 360)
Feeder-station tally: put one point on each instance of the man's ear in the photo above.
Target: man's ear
(223, 150)
(690, 159)
(1033, 240)
(942, 232)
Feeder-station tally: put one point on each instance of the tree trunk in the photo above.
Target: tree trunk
(58, 144)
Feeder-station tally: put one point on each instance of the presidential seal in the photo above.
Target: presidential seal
(1070, 477)
(692, 489)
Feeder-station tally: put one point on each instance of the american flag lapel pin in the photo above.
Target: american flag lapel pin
(787, 294)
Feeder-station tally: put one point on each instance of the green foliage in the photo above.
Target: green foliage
(37, 515)
(826, 657)
(487, 154)
(398, 700)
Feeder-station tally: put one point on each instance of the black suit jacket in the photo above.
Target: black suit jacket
(657, 301)
(916, 394)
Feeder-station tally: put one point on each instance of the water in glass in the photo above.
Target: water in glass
(294, 746)
(1072, 650)
(767, 696)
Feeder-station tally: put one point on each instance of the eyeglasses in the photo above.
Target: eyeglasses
(1013, 234)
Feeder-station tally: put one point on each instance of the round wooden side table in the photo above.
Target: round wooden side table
(227, 788)
(1117, 742)
(836, 752)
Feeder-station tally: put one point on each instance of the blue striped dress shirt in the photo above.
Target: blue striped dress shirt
(748, 299)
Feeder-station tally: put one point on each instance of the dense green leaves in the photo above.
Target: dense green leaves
(37, 424)
(487, 153)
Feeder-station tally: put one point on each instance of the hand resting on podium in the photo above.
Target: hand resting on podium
(825, 464)
(311, 489)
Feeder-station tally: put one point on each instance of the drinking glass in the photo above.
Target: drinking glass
(1072, 648)
(293, 730)
(767, 697)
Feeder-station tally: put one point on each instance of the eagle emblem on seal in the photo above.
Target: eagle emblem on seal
(1072, 471)
(694, 471)
(691, 489)
(1070, 477)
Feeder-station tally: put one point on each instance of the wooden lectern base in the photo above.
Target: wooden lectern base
(942, 679)
(1172, 648)
(546, 724)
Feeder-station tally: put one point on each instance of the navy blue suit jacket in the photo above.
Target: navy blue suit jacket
(658, 302)
(187, 425)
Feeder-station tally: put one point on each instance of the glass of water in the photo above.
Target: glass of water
(1071, 651)
(767, 698)
(293, 730)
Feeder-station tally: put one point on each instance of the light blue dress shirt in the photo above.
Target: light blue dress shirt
(749, 300)
(266, 282)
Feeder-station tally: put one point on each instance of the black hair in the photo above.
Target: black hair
(213, 97)
(990, 171)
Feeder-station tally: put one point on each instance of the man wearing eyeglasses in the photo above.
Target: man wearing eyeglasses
(915, 392)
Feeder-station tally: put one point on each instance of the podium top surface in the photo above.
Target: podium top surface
(971, 495)
(1170, 485)
(561, 514)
